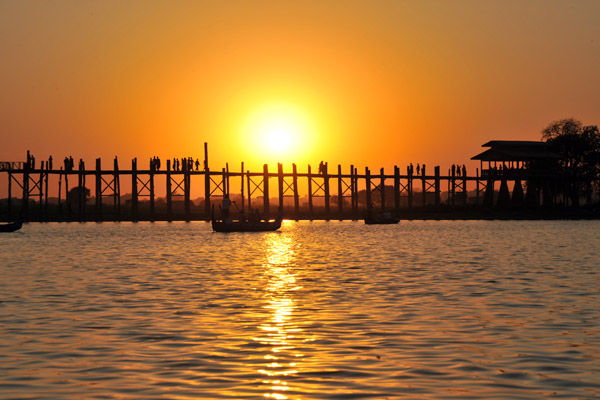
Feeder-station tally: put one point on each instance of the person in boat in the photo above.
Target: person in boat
(370, 214)
(225, 206)
(252, 217)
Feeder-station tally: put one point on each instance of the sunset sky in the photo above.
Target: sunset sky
(369, 83)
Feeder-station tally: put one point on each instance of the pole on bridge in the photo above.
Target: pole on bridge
(98, 189)
(206, 184)
(60, 209)
(424, 185)
(310, 194)
(248, 180)
(81, 190)
(453, 186)
(152, 170)
(437, 185)
(354, 190)
(227, 187)
(46, 190)
(25, 199)
(465, 194)
(117, 188)
(187, 166)
(382, 188)
(340, 194)
(266, 190)
(169, 193)
(477, 186)
(409, 186)
(134, 190)
(326, 190)
(296, 199)
(242, 186)
(396, 188)
(68, 200)
(41, 190)
(280, 184)
(368, 186)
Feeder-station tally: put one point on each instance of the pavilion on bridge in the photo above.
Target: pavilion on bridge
(516, 160)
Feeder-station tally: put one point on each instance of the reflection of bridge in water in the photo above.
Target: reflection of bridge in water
(328, 195)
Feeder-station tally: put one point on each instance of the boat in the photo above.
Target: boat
(381, 219)
(253, 224)
(245, 226)
(11, 226)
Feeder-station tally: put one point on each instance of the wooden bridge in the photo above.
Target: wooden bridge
(342, 195)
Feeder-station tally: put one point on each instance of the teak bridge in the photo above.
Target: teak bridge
(353, 194)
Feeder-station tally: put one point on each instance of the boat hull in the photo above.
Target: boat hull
(11, 227)
(381, 220)
(237, 226)
(387, 222)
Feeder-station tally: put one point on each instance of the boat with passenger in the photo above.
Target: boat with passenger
(382, 218)
(254, 223)
(245, 226)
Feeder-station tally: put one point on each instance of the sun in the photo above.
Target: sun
(279, 133)
(278, 129)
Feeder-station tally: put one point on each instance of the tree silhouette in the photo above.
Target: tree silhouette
(579, 148)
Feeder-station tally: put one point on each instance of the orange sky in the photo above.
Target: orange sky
(357, 82)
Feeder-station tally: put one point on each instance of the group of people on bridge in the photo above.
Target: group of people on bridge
(179, 164)
(457, 170)
(420, 170)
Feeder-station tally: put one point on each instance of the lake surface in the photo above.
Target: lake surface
(321, 310)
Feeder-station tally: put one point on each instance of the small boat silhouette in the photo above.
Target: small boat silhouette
(385, 218)
(11, 226)
(245, 225)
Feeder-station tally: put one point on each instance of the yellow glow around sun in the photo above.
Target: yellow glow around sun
(278, 130)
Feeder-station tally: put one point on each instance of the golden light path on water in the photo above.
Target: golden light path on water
(279, 331)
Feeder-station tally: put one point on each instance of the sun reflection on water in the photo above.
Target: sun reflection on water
(279, 331)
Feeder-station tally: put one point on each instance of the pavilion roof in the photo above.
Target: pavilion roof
(516, 150)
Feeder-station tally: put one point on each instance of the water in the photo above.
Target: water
(338, 310)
